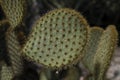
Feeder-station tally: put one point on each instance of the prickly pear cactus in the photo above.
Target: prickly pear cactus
(94, 37)
(6, 73)
(57, 39)
(14, 48)
(14, 10)
(104, 52)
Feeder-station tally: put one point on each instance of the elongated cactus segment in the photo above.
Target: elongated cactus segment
(14, 10)
(104, 52)
(57, 39)
(94, 37)
(6, 73)
(14, 48)
(72, 74)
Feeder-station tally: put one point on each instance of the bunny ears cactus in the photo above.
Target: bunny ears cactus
(57, 39)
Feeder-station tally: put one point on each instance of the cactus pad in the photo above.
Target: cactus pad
(3, 28)
(94, 37)
(14, 48)
(57, 39)
(6, 73)
(104, 52)
(14, 10)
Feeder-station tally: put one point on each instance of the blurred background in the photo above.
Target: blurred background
(97, 12)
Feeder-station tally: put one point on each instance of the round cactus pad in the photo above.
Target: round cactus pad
(57, 39)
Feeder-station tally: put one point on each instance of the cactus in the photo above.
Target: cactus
(104, 52)
(72, 74)
(14, 52)
(57, 39)
(6, 72)
(43, 75)
(94, 37)
(14, 10)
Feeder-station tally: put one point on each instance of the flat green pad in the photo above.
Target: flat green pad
(105, 50)
(13, 48)
(14, 10)
(57, 39)
(90, 51)
(6, 73)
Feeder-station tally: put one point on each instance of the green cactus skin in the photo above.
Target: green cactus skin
(94, 37)
(105, 50)
(72, 74)
(14, 10)
(57, 39)
(14, 48)
(6, 73)
(43, 75)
